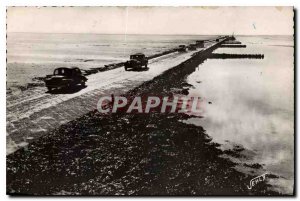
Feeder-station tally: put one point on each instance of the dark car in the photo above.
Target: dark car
(200, 43)
(181, 48)
(137, 61)
(65, 78)
(192, 47)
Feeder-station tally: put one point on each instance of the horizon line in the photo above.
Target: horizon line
(185, 34)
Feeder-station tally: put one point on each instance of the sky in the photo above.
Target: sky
(152, 20)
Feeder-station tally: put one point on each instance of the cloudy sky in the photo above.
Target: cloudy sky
(152, 20)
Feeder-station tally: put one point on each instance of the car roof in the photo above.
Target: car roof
(67, 68)
(138, 54)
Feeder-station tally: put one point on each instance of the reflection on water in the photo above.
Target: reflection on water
(252, 105)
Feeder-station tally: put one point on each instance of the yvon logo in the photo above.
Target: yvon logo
(257, 180)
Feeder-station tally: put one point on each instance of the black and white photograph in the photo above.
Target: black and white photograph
(150, 100)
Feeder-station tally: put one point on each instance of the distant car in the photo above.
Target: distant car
(181, 48)
(200, 43)
(192, 47)
(137, 61)
(65, 78)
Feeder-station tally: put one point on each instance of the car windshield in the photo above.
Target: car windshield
(136, 56)
(77, 71)
(63, 71)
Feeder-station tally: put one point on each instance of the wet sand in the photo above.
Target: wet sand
(126, 154)
(31, 55)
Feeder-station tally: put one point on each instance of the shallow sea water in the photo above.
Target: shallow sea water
(251, 105)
